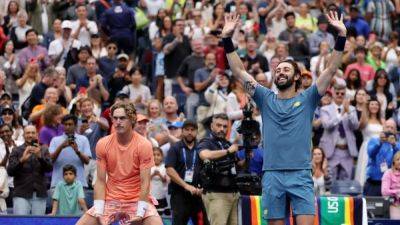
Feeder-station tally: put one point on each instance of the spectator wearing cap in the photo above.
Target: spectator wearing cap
(41, 14)
(94, 128)
(183, 159)
(374, 57)
(357, 21)
(142, 127)
(306, 80)
(33, 51)
(321, 35)
(118, 23)
(8, 116)
(59, 48)
(28, 164)
(185, 77)
(138, 92)
(367, 72)
(82, 28)
(18, 32)
(77, 72)
(52, 34)
(296, 39)
(96, 45)
(5, 99)
(108, 64)
(121, 77)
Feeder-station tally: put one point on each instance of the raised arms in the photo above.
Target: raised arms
(335, 60)
(235, 63)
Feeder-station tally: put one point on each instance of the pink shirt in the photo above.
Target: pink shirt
(367, 72)
(391, 183)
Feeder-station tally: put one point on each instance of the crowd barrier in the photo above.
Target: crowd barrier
(330, 211)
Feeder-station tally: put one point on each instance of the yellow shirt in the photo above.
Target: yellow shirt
(309, 24)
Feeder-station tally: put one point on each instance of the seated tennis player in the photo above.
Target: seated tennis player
(124, 159)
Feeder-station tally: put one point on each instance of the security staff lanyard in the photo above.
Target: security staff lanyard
(189, 172)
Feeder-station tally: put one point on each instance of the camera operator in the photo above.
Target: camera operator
(28, 164)
(220, 194)
(380, 151)
(182, 165)
(256, 155)
(69, 148)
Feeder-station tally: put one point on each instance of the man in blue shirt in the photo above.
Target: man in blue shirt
(357, 22)
(69, 148)
(287, 118)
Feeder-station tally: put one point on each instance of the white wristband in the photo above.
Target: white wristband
(141, 208)
(99, 207)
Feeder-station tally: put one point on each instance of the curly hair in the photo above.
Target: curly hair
(129, 108)
(50, 112)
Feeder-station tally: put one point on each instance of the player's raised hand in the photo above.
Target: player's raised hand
(231, 21)
(337, 22)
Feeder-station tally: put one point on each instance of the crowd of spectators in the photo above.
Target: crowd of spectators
(64, 63)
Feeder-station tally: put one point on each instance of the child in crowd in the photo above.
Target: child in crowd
(159, 181)
(68, 195)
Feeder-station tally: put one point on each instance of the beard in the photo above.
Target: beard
(189, 139)
(286, 85)
(220, 135)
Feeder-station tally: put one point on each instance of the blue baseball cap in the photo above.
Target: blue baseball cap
(176, 124)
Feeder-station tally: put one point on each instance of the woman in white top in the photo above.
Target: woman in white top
(319, 62)
(391, 53)
(370, 126)
(26, 83)
(9, 64)
(320, 173)
(18, 33)
(217, 95)
(9, 117)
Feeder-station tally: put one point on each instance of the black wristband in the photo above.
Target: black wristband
(340, 43)
(228, 45)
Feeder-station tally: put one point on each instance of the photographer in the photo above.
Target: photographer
(69, 148)
(220, 196)
(256, 155)
(28, 164)
(380, 151)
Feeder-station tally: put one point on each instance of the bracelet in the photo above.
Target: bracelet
(141, 208)
(340, 43)
(99, 207)
(228, 45)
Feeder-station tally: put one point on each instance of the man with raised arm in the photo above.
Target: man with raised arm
(287, 118)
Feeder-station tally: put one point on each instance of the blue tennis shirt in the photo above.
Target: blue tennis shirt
(287, 127)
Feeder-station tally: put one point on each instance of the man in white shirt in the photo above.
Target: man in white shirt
(59, 48)
(82, 28)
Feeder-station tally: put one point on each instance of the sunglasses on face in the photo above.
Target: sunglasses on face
(7, 113)
(340, 93)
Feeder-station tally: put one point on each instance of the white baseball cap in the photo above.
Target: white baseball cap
(66, 24)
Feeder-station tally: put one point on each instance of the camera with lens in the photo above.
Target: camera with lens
(248, 183)
(34, 143)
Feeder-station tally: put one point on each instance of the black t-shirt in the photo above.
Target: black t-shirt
(175, 159)
(176, 56)
(211, 143)
(188, 67)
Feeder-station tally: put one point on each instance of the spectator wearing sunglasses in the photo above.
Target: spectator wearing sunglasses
(339, 120)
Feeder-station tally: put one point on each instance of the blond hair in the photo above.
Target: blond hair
(129, 108)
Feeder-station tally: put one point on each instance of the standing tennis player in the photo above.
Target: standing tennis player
(286, 129)
(126, 158)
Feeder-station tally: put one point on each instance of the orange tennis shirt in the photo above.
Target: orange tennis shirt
(123, 165)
